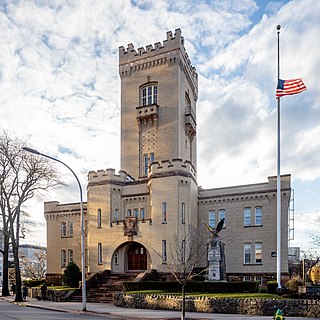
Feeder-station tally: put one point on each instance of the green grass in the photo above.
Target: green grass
(213, 295)
(57, 288)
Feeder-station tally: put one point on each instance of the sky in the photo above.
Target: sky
(60, 88)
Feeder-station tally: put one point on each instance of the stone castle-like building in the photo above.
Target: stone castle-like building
(131, 218)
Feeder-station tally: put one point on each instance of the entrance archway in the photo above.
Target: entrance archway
(137, 257)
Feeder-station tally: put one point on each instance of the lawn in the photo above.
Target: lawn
(213, 295)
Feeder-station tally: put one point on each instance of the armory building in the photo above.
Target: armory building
(132, 218)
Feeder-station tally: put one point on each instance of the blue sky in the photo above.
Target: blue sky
(59, 86)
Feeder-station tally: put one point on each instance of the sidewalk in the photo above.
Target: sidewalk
(128, 313)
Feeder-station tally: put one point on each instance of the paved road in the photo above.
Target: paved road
(10, 311)
(72, 310)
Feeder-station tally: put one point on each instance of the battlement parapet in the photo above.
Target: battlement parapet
(107, 175)
(173, 43)
(174, 165)
(55, 207)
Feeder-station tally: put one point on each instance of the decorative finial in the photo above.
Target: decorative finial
(278, 27)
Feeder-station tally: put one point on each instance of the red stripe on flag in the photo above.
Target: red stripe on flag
(290, 87)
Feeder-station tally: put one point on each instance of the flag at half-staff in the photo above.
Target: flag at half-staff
(288, 87)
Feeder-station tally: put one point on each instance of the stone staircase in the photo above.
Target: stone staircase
(101, 287)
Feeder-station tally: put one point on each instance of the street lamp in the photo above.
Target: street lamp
(82, 224)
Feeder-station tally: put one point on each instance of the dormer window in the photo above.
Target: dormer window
(149, 95)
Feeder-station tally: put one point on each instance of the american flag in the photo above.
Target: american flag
(288, 87)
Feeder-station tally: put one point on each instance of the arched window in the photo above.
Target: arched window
(149, 94)
(63, 229)
(70, 228)
(63, 258)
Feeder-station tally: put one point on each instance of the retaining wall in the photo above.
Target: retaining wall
(258, 307)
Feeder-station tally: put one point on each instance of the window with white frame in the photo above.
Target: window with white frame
(129, 213)
(212, 218)
(258, 252)
(70, 229)
(222, 215)
(135, 212)
(183, 212)
(63, 258)
(247, 253)
(99, 218)
(246, 278)
(247, 216)
(258, 214)
(70, 255)
(63, 229)
(258, 279)
(99, 253)
(164, 251)
(149, 95)
(164, 212)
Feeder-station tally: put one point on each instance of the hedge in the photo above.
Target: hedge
(194, 286)
(34, 282)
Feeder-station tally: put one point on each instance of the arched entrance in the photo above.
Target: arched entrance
(137, 257)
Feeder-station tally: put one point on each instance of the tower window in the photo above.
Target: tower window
(99, 253)
(99, 218)
(164, 212)
(149, 95)
(183, 212)
(145, 160)
(164, 251)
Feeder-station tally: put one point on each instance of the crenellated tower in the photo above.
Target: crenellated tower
(159, 91)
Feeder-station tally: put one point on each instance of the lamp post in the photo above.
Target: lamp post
(82, 224)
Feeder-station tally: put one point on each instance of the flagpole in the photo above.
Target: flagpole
(278, 177)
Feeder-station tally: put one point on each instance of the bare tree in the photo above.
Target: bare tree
(187, 258)
(34, 267)
(21, 176)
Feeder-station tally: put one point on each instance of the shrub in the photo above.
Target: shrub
(272, 286)
(293, 284)
(34, 282)
(72, 275)
(194, 286)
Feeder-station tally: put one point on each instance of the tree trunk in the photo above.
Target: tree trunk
(5, 266)
(18, 297)
(183, 306)
(15, 247)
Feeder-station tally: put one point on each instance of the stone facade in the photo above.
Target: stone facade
(133, 217)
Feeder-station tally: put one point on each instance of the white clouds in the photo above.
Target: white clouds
(59, 81)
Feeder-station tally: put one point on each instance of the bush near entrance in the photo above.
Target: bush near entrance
(194, 286)
(272, 286)
(72, 275)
